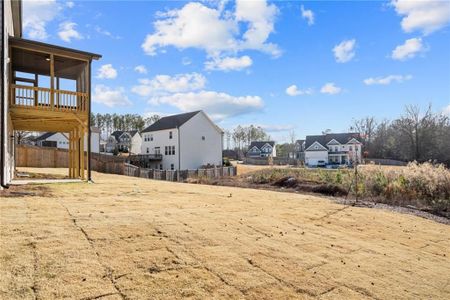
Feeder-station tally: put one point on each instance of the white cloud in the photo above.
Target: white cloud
(186, 61)
(67, 32)
(110, 97)
(36, 15)
(344, 52)
(106, 72)
(408, 50)
(141, 69)
(70, 4)
(197, 26)
(424, 15)
(260, 18)
(293, 90)
(229, 63)
(218, 105)
(446, 110)
(387, 80)
(102, 31)
(308, 15)
(331, 89)
(163, 84)
(276, 128)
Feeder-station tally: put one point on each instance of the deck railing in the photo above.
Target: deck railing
(44, 98)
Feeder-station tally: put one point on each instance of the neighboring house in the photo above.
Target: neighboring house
(60, 140)
(31, 95)
(333, 149)
(183, 141)
(262, 149)
(124, 141)
(299, 150)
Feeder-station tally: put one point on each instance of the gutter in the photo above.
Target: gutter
(3, 184)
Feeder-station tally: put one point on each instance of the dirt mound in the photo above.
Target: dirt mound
(286, 182)
(330, 190)
(310, 186)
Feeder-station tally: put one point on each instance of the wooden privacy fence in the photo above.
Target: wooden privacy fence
(178, 175)
(49, 157)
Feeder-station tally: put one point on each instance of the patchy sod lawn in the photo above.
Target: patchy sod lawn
(132, 238)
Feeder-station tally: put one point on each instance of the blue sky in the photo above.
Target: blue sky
(304, 66)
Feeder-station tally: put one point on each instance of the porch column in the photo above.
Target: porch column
(88, 162)
(82, 152)
(70, 154)
(52, 82)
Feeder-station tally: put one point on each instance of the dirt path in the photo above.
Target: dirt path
(130, 238)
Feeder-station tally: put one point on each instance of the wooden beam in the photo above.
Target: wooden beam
(52, 81)
(82, 152)
(70, 154)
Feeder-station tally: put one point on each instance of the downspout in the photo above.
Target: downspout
(179, 148)
(2, 138)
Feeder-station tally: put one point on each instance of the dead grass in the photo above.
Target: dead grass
(131, 238)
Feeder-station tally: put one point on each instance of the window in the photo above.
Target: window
(157, 150)
(203, 138)
(160, 167)
(172, 167)
(173, 150)
(350, 148)
(336, 149)
(166, 152)
(170, 134)
(356, 148)
(151, 137)
(148, 150)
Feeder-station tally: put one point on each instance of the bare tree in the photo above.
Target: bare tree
(366, 128)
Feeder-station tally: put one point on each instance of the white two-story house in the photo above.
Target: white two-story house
(262, 149)
(333, 149)
(185, 141)
(60, 140)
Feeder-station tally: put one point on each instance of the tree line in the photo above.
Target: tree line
(420, 135)
(108, 123)
(242, 136)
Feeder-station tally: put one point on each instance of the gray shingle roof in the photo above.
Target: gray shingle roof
(259, 144)
(323, 139)
(116, 134)
(44, 136)
(170, 122)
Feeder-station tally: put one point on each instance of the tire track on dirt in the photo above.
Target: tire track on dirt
(107, 269)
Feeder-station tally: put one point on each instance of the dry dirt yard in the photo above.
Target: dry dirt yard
(131, 238)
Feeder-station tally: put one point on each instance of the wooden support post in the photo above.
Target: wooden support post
(77, 155)
(70, 154)
(52, 82)
(88, 104)
(57, 95)
(36, 93)
(82, 152)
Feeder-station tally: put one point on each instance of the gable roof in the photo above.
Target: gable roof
(44, 136)
(323, 139)
(260, 144)
(171, 122)
(116, 134)
(132, 132)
